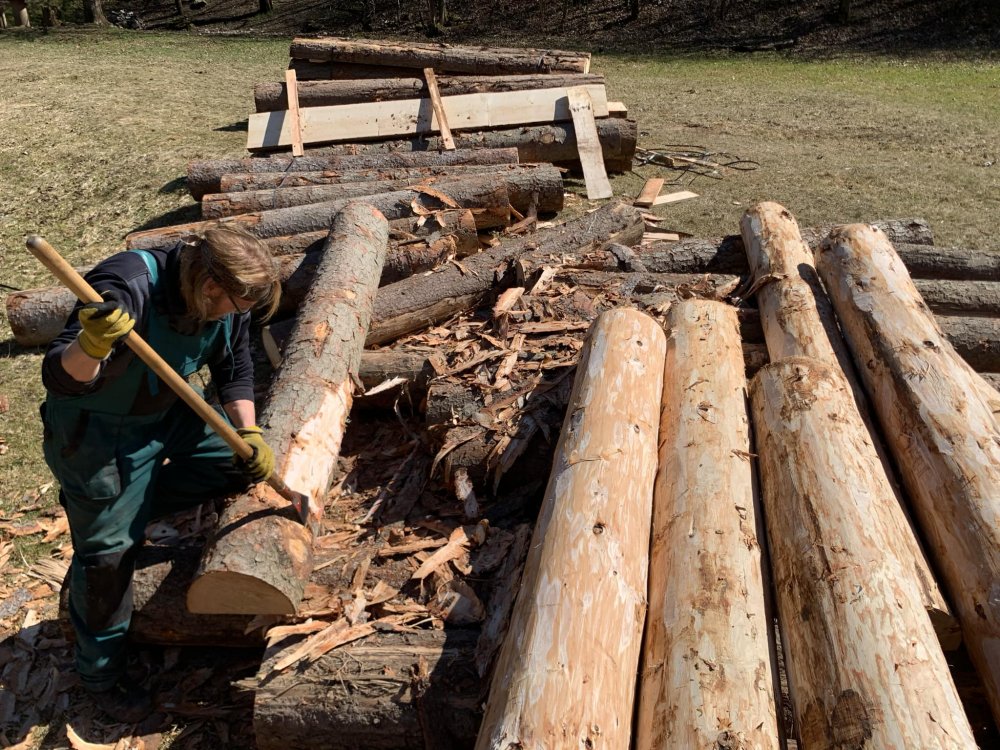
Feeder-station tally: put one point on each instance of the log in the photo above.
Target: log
(708, 671)
(798, 321)
(540, 185)
(444, 57)
(967, 298)
(555, 143)
(272, 97)
(413, 303)
(391, 691)
(992, 379)
(259, 560)
(488, 193)
(203, 175)
(565, 676)
(940, 421)
(246, 181)
(852, 616)
(306, 70)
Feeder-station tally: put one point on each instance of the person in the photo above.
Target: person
(124, 447)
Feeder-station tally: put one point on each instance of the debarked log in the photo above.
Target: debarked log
(443, 57)
(538, 185)
(272, 97)
(259, 559)
(851, 615)
(583, 592)
(203, 176)
(487, 194)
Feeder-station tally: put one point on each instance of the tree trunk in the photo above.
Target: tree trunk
(708, 673)
(258, 562)
(20, 8)
(941, 422)
(488, 193)
(245, 182)
(539, 185)
(265, 6)
(565, 676)
(414, 303)
(94, 13)
(203, 176)
(555, 143)
(272, 97)
(799, 321)
(443, 57)
(391, 691)
(852, 616)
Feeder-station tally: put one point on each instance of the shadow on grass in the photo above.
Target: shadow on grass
(176, 185)
(182, 215)
(236, 127)
(9, 349)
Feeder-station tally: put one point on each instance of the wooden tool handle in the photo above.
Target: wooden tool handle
(69, 276)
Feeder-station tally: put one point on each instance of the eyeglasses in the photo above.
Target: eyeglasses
(236, 306)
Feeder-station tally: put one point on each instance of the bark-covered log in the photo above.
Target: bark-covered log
(487, 193)
(565, 676)
(272, 97)
(306, 70)
(530, 184)
(203, 175)
(555, 143)
(413, 303)
(798, 321)
(967, 298)
(942, 425)
(390, 691)
(708, 675)
(258, 561)
(992, 379)
(441, 57)
(863, 659)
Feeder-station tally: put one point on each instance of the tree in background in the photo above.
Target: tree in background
(437, 16)
(94, 13)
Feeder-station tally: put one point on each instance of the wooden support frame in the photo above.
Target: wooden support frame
(438, 106)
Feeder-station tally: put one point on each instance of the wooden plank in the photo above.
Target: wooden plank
(349, 122)
(660, 237)
(439, 113)
(681, 195)
(617, 109)
(583, 110)
(294, 121)
(649, 193)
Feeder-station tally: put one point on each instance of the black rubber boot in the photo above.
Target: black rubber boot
(127, 702)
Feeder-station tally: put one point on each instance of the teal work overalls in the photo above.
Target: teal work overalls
(110, 466)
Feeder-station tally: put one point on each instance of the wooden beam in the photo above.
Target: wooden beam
(649, 193)
(408, 117)
(439, 113)
(680, 195)
(584, 109)
(294, 121)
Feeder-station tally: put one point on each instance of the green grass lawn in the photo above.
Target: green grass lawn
(96, 128)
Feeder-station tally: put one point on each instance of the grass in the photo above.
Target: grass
(97, 127)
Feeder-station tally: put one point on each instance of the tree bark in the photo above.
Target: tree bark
(203, 176)
(972, 298)
(555, 143)
(798, 321)
(94, 13)
(258, 562)
(540, 185)
(708, 673)
(272, 97)
(244, 182)
(992, 379)
(565, 676)
(414, 303)
(306, 70)
(941, 422)
(851, 613)
(443, 57)
(391, 691)
(488, 193)
(20, 9)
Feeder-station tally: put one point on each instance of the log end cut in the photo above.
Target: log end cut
(224, 592)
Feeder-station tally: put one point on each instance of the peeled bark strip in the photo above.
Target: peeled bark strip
(258, 561)
(272, 97)
(536, 184)
(941, 423)
(203, 176)
(863, 659)
(247, 181)
(391, 691)
(555, 143)
(565, 676)
(707, 677)
(414, 303)
(444, 57)
(798, 321)
(488, 193)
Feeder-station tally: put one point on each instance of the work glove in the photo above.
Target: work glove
(260, 466)
(103, 324)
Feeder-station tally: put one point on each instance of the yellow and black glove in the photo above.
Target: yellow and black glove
(260, 466)
(103, 324)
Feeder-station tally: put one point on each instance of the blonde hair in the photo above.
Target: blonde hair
(235, 260)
